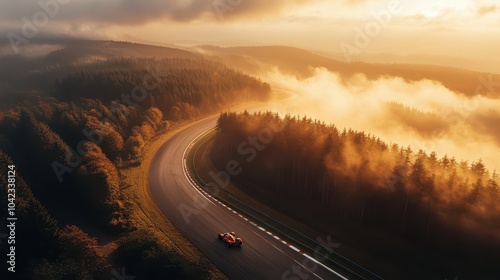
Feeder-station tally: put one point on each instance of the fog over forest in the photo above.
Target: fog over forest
(424, 115)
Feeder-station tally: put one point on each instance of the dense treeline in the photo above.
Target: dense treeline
(127, 106)
(45, 250)
(347, 175)
(198, 82)
(187, 78)
(77, 122)
(20, 75)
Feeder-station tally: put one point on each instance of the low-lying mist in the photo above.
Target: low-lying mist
(423, 115)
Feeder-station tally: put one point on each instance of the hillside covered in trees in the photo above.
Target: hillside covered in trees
(343, 180)
(70, 121)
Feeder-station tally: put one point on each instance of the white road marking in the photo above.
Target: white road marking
(293, 248)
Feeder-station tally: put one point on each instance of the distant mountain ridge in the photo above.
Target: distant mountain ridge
(301, 62)
(255, 60)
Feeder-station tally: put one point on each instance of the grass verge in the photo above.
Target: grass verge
(144, 214)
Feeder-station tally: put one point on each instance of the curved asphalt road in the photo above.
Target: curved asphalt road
(262, 256)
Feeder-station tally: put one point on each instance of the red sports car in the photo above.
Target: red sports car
(230, 239)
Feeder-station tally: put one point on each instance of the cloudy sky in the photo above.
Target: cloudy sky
(464, 28)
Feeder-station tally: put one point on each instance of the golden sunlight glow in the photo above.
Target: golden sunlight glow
(430, 13)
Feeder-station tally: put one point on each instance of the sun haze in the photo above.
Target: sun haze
(465, 28)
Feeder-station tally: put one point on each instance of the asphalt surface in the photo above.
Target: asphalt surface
(201, 218)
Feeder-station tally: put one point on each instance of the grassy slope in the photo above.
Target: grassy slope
(146, 215)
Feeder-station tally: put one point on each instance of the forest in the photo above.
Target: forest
(336, 179)
(73, 124)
